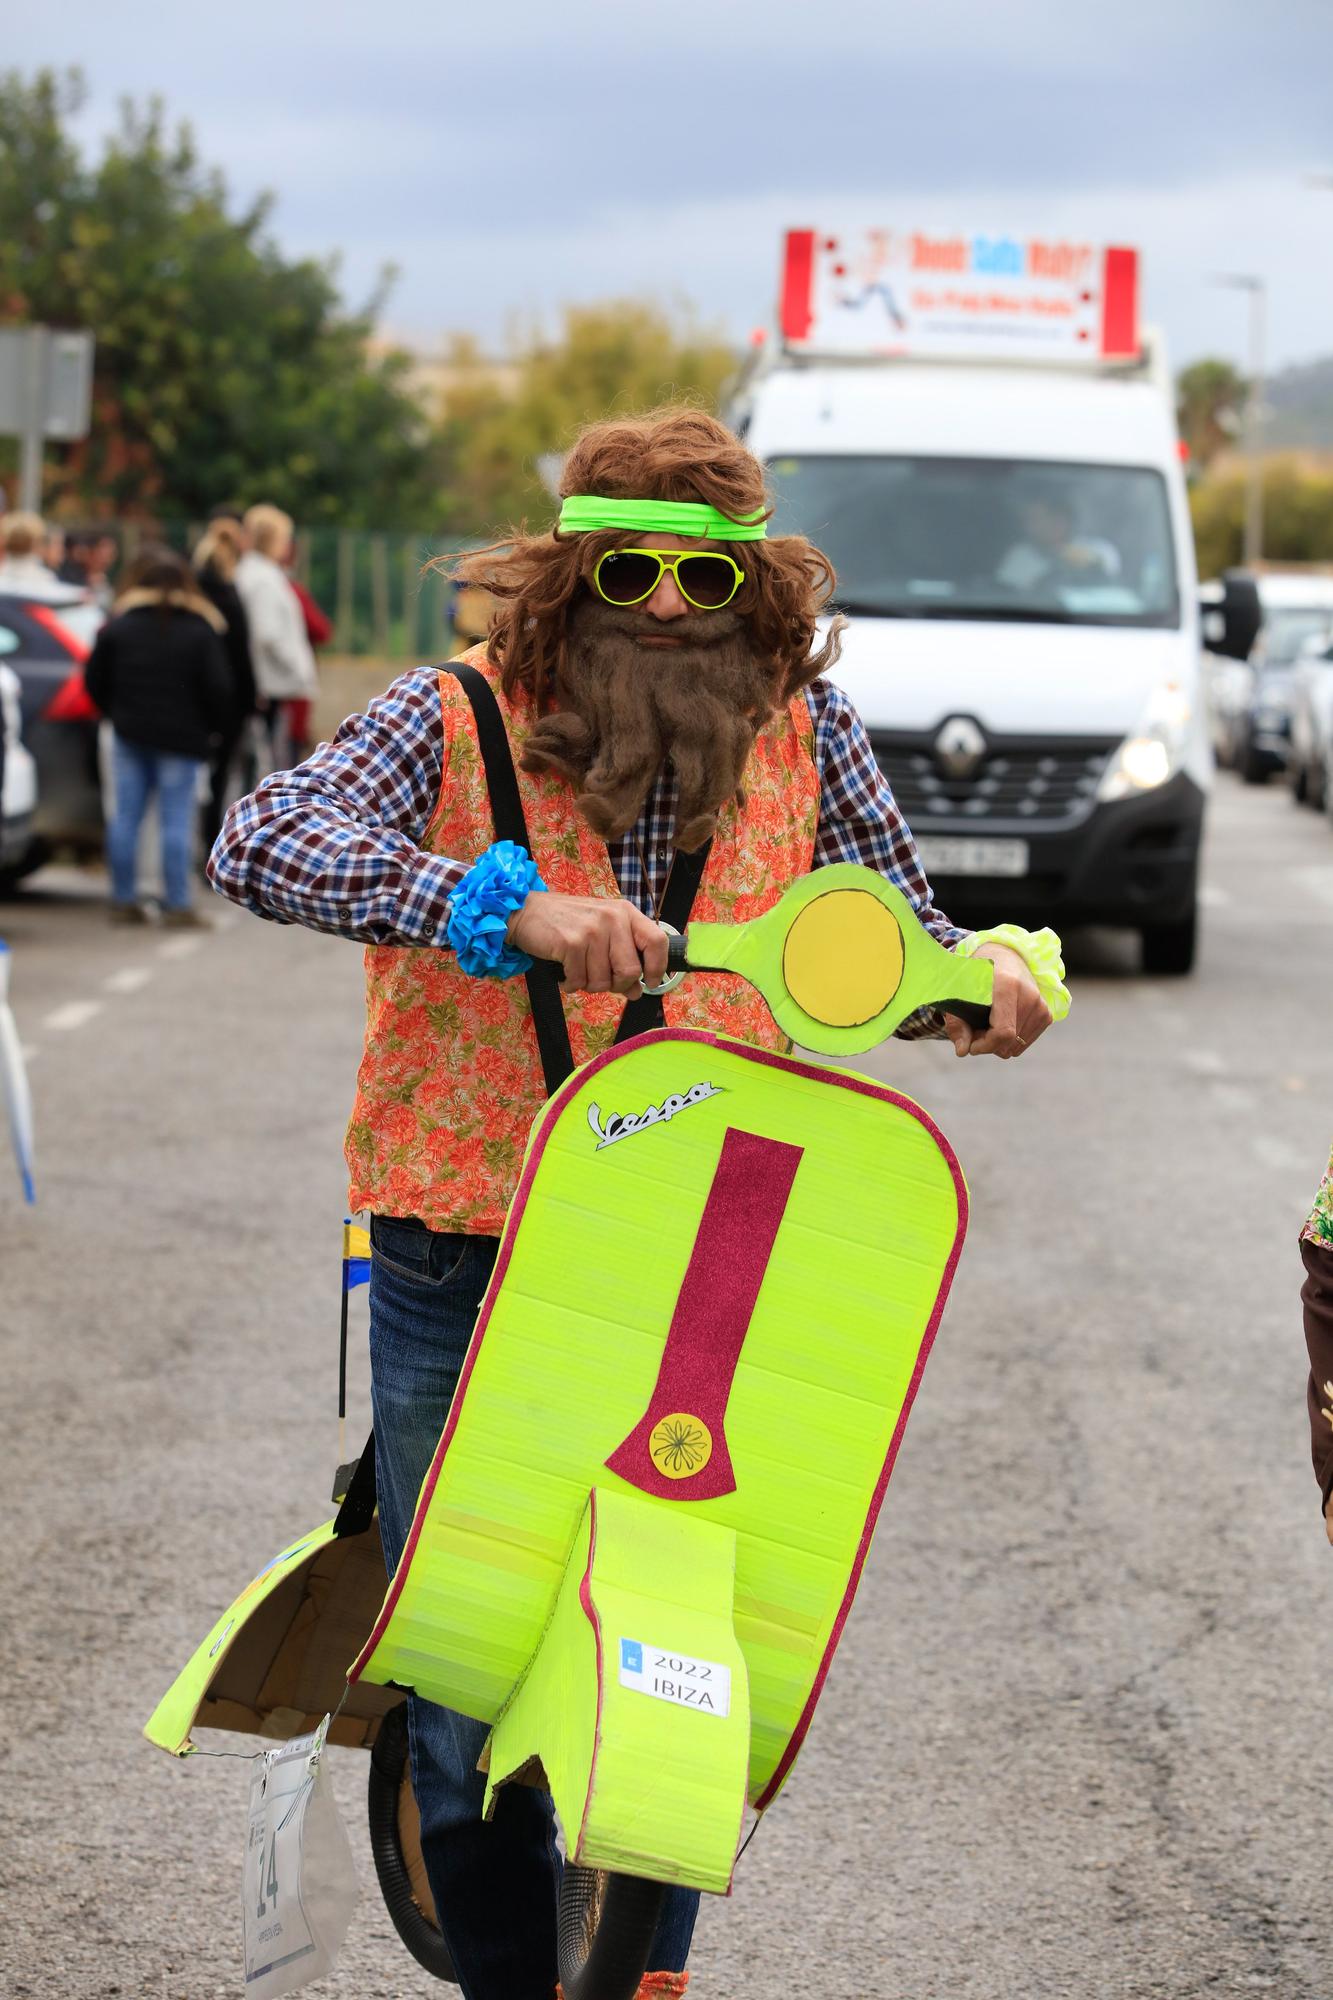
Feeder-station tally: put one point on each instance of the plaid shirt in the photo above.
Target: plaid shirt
(334, 843)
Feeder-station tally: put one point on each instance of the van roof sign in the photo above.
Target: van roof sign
(916, 292)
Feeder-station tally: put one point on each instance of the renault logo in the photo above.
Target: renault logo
(960, 746)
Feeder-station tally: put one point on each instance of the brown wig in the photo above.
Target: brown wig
(675, 453)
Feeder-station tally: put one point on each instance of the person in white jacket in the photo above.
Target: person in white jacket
(22, 570)
(284, 662)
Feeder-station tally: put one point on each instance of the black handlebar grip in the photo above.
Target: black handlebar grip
(676, 959)
(970, 1011)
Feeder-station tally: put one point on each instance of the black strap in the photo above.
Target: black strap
(358, 1501)
(548, 1013)
(687, 870)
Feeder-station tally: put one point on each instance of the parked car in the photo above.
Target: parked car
(18, 778)
(45, 642)
(1312, 725)
(1298, 612)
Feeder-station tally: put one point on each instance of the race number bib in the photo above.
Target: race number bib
(300, 1881)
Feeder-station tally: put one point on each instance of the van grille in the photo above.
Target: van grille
(1023, 779)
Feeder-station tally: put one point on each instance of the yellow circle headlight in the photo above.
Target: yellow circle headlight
(842, 962)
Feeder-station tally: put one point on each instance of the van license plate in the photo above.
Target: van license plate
(941, 855)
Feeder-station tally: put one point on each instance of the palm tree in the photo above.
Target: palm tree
(1210, 403)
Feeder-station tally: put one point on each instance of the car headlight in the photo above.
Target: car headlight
(1155, 751)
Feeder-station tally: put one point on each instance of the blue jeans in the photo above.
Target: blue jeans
(494, 1882)
(137, 773)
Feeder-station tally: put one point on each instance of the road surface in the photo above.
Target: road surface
(1074, 1741)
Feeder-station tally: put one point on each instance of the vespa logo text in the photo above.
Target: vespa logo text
(620, 1125)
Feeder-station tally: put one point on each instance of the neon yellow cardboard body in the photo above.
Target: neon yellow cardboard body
(716, 1290)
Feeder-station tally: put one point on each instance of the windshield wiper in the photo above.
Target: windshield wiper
(996, 614)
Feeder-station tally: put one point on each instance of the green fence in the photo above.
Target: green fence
(384, 600)
(380, 592)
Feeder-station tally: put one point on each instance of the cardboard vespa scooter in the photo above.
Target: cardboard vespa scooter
(644, 1525)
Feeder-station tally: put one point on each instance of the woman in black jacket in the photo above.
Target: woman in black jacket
(215, 561)
(158, 672)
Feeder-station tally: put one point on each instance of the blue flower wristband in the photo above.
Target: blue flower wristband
(496, 885)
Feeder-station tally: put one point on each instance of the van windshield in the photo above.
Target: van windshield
(986, 537)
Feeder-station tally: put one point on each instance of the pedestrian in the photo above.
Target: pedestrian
(159, 673)
(318, 630)
(216, 559)
(1317, 1299)
(73, 567)
(284, 665)
(89, 555)
(23, 569)
(677, 746)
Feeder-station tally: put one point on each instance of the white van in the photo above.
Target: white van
(1014, 553)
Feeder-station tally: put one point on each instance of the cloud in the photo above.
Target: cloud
(509, 159)
(724, 256)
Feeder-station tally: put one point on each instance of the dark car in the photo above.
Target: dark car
(1261, 726)
(46, 641)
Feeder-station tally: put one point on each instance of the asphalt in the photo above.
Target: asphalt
(1074, 1739)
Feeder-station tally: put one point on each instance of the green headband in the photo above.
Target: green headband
(582, 513)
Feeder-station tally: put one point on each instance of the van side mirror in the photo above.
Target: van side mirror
(1231, 621)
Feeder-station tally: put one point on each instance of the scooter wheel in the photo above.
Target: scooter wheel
(605, 1927)
(395, 1843)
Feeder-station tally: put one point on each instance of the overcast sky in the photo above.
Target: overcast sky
(512, 157)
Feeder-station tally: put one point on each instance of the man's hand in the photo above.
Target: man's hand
(1018, 1014)
(604, 943)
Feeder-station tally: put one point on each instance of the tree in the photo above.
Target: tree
(224, 372)
(1210, 401)
(611, 359)
(1298, 513)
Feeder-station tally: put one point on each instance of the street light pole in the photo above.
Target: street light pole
(32, 450)
(1254, 464)
(1254, 485)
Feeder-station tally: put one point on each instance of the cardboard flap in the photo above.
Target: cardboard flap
(276, 1660)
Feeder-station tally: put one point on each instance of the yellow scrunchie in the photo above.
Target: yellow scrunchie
(1040, 951)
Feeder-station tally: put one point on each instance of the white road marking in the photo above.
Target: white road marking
(128, 980)
(1211, 898)
(179, 947)
(75, 1014)
(1205, 1062)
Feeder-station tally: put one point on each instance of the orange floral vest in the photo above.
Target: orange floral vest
(451, 1078)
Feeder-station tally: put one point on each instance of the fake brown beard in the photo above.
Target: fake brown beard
(624, 708)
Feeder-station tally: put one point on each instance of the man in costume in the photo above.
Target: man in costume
(657, 666)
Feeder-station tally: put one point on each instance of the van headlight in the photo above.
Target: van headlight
(1155, 751)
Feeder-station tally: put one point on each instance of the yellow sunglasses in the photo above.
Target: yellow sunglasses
(704, 578)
